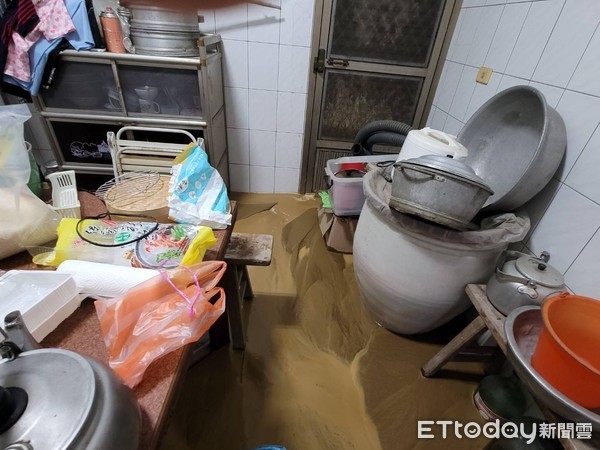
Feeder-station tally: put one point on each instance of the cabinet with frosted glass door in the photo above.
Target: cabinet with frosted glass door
(93, 93)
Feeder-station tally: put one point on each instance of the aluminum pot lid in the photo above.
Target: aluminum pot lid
(61, 388)
(539, 271)
(448, 166)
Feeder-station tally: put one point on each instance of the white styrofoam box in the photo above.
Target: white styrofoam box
(44, 298)
(347, 197)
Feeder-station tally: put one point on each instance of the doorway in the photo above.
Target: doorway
(372, 60)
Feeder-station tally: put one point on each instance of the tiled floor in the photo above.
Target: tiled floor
(317, 373)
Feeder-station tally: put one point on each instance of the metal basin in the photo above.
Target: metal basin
(522, 329)
(515, 142)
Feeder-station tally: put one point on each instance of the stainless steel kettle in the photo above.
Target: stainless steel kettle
(57, 399)
(523, 280)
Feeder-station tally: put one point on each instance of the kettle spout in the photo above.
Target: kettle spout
(18, 333)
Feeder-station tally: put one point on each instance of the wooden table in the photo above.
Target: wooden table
(163, 379)
(491, 319)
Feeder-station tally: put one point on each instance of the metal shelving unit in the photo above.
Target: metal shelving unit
(97, 92)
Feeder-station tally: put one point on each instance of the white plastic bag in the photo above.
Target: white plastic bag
(198, 194)
(25, 220)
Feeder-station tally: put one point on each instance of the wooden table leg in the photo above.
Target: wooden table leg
(460, 340)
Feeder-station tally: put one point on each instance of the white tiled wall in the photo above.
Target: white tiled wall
(266, 67)
(553, 45)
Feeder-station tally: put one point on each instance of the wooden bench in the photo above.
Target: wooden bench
(244, 250)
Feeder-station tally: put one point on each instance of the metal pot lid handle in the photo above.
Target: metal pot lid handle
(508, 277)
(423, 167)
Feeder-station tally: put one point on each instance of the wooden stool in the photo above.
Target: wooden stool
(489, 319)
(244, 250)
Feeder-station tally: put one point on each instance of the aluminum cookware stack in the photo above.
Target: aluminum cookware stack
(160, 31)
(449, 215)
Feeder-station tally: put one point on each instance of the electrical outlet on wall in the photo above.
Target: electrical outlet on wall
(483, 75)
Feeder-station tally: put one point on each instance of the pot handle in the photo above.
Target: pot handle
(507, 277)
(400, 166)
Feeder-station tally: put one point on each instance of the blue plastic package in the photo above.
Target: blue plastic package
(198, 194)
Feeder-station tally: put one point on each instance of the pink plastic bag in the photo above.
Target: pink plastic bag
(160, 315)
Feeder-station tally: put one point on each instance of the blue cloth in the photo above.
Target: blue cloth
(80, 39)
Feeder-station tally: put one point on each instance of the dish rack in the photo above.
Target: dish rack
(138, 156)
(64, 194)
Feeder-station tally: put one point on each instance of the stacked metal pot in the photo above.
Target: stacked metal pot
(163, 32)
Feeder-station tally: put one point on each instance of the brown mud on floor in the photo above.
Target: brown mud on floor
(317, 372)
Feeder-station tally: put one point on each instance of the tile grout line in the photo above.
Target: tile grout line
(596, 30)
(581, 153)
(518, 36)
(495, 31)
(582, 249)
(532, 80)
(580, 193)
(532, 230)
(549, 37)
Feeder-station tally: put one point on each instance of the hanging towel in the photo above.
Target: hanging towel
(55, 22)
(21, 17)
(80, 39)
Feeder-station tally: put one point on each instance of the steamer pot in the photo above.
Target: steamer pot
(162, 19)
(523, 280)
(161, 43)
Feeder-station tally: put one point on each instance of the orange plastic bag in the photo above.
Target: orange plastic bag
(160, 315)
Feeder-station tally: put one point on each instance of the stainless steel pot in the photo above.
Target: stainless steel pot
(440, 189)
(523, 280)
(147, 17)
(57, 399)
(161, 43)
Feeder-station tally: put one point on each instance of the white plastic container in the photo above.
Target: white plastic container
(428, 141)
(44, 298)
(346, 194)
(64, 194)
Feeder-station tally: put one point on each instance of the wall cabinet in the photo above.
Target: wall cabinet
(93, 93)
